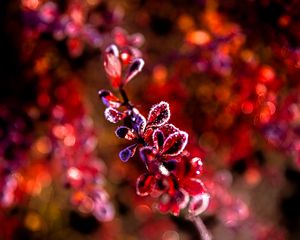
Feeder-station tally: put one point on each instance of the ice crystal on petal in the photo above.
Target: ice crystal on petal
(112, 115)
(163, 170)
(159, 114)
(168, 129)
(175, 143)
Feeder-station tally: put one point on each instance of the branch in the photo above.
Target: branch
(204, 233)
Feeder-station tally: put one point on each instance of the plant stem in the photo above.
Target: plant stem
(205, 235)
(124, 96)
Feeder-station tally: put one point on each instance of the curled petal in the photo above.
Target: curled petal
(198, 204)
(193, 186)
(145, 184)
(109, 99)
(175, 143)
(112, 65)
(158, 138)
(159, 114)
(125, 132)
(112, 115)
(128, 152)
(135, 67)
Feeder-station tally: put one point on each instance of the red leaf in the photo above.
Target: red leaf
(158, 138)
(148, 136)
(165, 203)
(109, 99)
(168, 129)
(112, 115)
(112, 65)
(125, 132)
(127, 153)
(148, 154)
(193, 186)
(139, 122)
(199, 204)
(135, 67)
(159, 114)
(144, 184)
(175, 143)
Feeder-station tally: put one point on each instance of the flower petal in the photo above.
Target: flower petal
(145, 184)
(147, 136)
(112, 65)
(158, 139)
(109, 99)
(180, 201)
(175, 143)
(134, 68)
(112, 115)
(148, 155)
(127, 153)
(171, 165)
(159, 114)
(165, 203)
(139, 122)
(198, 204)
(125, 132)
(168, 129)
(193, 186)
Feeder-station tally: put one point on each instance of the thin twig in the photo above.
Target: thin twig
(204, 233)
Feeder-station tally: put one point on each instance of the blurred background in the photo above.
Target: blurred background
(230, 71)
